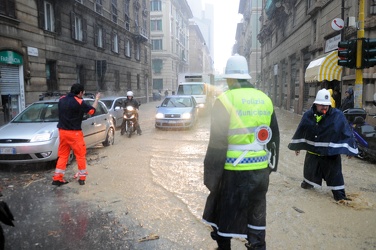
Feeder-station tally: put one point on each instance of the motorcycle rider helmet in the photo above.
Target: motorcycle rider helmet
(237, 68)
(323, 97)
(130, 93)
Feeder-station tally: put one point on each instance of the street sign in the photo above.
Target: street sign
(338, 24)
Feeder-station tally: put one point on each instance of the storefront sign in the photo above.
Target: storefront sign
(32, 51)
(10, 57)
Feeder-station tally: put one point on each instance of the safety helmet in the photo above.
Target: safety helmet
(323, 97)
(130, 93)
(237, 68)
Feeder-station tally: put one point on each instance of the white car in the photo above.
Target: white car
(115, 106)
(32, 136)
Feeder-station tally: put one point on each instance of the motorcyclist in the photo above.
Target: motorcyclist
(135, 104)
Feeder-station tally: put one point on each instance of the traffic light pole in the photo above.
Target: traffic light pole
(358, 91)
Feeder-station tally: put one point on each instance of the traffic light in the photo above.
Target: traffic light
(347, 53)
(368, 53)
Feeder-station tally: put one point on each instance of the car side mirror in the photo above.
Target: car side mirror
(117, 108)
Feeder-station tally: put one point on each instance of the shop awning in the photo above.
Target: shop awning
(324, 67)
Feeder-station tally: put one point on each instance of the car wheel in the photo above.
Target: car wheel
(110, 138)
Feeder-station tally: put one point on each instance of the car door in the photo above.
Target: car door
(119, 113)
(88, 128)
(101, 117)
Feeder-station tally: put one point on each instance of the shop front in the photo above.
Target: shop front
(11, 84)
(323, 72)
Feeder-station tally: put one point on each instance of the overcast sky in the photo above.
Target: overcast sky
(226, 18)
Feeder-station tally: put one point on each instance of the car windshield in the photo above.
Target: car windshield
(108, 103)
(177, 102)
(39, 112)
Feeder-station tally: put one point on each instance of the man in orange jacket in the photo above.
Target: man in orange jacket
(71, 111)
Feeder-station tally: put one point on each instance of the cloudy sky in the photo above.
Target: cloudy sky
(226, 18)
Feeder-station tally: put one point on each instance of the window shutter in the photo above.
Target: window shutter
(96, 30)
(57, 14)
(41, 13)
(73, 27)
(84, 30)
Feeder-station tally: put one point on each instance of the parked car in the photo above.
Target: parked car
(115, 106)
(32, 136)
(177, 111)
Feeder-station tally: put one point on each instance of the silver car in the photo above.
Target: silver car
(177, 111)
(115, 106)
(32, 136)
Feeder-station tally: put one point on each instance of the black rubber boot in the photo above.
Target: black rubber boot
(224, 243)
(340, 195)
(256, 240)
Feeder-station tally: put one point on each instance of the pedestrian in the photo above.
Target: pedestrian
(242, 151)
(348, 101)
(166, 92)
(325, 134)
(71, 111)
(135, 104)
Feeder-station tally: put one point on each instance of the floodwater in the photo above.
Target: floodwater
(147, 192)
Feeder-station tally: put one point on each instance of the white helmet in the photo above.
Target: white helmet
(323, 97)
(237, 68)
(130, 93)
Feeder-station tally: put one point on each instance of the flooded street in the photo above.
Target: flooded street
(147, 192)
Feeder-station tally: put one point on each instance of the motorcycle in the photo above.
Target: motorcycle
(364, 133)
(7, 218)
(129, 121)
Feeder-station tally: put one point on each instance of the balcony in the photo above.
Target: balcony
(141, 34)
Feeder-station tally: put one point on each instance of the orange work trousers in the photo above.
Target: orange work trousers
(71, 139)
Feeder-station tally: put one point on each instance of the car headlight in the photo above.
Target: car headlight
(201, 105)
(186, 116)
(42, 136)
(159, 116)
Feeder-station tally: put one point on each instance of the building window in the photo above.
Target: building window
(79, 1)
(8, 8)
(117, 80)
(137, 51)
(99, 36)
(48, 15)
(146, 56)
(51, 75)
(372, 7)
(49, 18)
(157, 65)
(98, 6)
(158, 84)
(138, 81)
(126, 8)
(115, 42)
(78, 27)
(129, 82)
(156, 44)
(156, 25)
(127, 24)
(127, 48)
(114, 11)
(80, 74)
(156, 5)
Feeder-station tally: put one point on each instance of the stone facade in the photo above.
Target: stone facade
(295, 32)
(102, 44)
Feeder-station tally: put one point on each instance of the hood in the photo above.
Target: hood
(26, 130)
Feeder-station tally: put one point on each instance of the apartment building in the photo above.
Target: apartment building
(246, 37)
(299, 50)
(169, 37)
(200, 60)
(47, 45)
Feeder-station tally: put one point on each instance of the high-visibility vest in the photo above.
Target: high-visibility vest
(250, 109)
